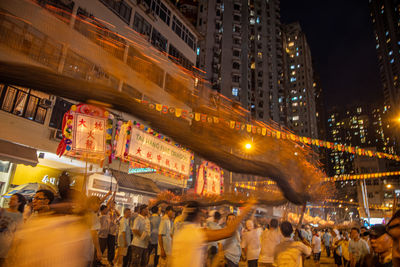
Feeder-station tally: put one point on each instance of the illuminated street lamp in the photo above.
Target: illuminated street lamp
(248, 146)
(388, 186)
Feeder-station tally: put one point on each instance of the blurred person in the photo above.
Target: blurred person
(393, 229)
(41, 201)
(52, 239)
(251, 244)
(270, 238)
(290, 252)
(124, 240)
(231, 246)
(178, 222)
(165, 237)
(344, 244)
(190, 241)
(309, 233)
(358, 248)
(113, 230)
(336, 247)
(155, 220)
(381, 244)
(141, 236)
(11, 220)
(327, 239)
(93, 208)
(213, 224)
(104, 228)
(316, 247)
(364, 233)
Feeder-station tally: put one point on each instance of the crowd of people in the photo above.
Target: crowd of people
(75, 230)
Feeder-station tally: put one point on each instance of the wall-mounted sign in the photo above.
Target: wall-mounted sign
(135, 168)
(153, 152)
(209, 179)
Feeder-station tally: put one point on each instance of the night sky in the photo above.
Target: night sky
(342, 44)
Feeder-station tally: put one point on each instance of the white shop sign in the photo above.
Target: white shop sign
(90, 133)
(150, 149)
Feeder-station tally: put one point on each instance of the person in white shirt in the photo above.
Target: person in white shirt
(358, 248)
(188, 244)
(290, 252)
(124, 240)
(251, 244)
(316, 246)
(270, 238)
(165, 236)
(141, 236)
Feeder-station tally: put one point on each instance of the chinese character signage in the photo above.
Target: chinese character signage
(90, 134)
(209, 179)
(87, 132)
(153, 152)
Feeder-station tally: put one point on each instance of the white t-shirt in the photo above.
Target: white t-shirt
(269, 240)
(188, 246)
(251, 241)
(165, 230)
(316, 242)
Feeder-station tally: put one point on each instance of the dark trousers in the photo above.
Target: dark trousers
(230, 263)
(111, 248)
(139, 257)
(156, 256)
(108, 243)
(126, 260)
(252, 263)
(328, 251)
(103, 244)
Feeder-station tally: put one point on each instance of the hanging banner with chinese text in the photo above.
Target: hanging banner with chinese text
(87, 132)
(139, 146)
(209, 179)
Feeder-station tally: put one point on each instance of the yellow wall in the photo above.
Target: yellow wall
(28, 174)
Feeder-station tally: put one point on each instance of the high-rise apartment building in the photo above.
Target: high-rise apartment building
(358, 126)
(299, 82)
(241, 54)
(386, 22)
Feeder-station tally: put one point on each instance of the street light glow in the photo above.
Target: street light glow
(248, 146)
(389, 186)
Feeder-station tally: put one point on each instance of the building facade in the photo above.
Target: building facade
(358, 126)
(299, 82)
(385, 16)
(241, 54)
(130, 46)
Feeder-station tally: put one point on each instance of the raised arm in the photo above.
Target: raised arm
(215, 235)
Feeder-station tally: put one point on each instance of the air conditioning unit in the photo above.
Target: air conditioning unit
(56, 135)
(44, 102)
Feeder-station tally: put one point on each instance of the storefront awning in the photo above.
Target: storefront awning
(17, 153)
(135, 183)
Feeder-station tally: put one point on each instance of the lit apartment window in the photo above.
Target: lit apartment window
(291, 44)
(235, 91)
